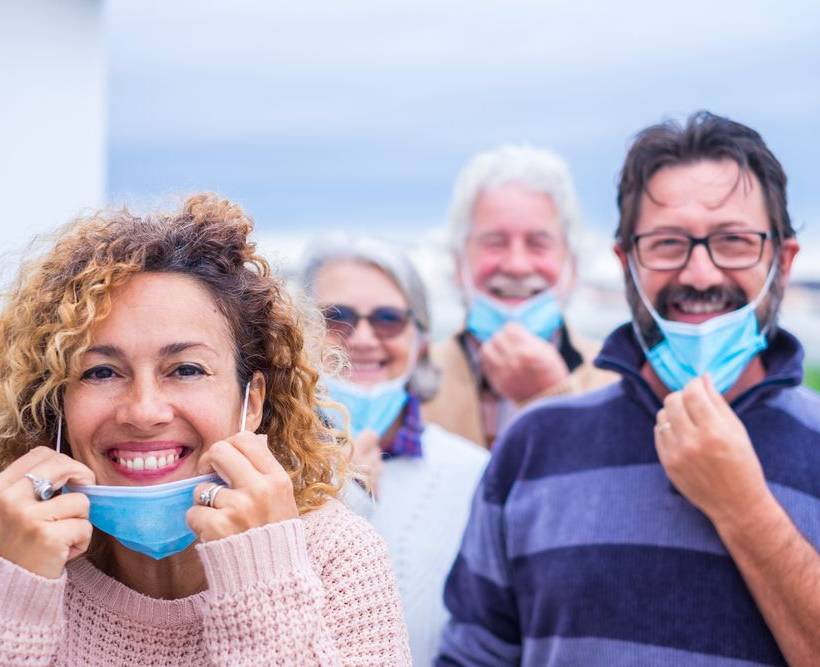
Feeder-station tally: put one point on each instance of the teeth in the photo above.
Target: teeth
(700, 307)
(147, 462)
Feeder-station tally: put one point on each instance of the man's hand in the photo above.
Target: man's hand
(708, 455)
(367, 458)
(519, 365)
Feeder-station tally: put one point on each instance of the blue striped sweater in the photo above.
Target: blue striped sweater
(579, 551)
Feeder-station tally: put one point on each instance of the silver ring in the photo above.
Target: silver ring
(208, 496)
(43, 488)
(664, 427)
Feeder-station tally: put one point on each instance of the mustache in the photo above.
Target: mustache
(731, 295)
(517, 286)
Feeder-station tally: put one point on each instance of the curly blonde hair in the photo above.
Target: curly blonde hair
(45, 327)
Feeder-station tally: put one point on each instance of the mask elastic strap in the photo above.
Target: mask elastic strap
(764, 291)
(244, 422)
(59, 434)
(753, 304)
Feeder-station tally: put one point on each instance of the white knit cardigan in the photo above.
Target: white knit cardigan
(421, 512)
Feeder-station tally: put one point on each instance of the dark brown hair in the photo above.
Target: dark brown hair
(704, 137)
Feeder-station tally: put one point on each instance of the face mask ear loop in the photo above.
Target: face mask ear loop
(646, 302)
(653, 313)
(59, 434)
(244, 422)
(764, 291)
(467, 282)
(561, 287)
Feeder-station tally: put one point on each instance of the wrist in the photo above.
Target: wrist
(743, 520)
(257, 555)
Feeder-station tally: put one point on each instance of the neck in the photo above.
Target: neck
(172, 578)
(753, 374)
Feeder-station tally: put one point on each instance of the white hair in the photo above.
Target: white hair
(392, 261)
(538, 170)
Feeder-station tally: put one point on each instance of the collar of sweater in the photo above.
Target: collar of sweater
(782, 359)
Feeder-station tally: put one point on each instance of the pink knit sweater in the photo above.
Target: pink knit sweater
(317, 590)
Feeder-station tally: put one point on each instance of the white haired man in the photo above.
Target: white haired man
(513, 215)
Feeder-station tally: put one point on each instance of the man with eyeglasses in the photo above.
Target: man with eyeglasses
(513, 217)
(672, 518)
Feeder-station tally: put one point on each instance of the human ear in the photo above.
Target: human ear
(788, 251)
(621, 254)
(256, 401)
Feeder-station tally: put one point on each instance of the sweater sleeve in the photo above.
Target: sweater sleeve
(267, 605)
(484, 625)
(32, 619)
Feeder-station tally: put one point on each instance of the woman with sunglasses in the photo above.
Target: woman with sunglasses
(423, 477)
(175, 379)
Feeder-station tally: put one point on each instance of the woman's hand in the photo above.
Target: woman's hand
(41, 536)
(260, 490)
(367, 459)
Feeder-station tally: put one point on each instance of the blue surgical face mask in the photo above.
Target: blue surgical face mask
(722, 346)
(148, 519)
(540, 315)
(375, 407)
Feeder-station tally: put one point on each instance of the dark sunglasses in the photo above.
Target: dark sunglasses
(386, 321)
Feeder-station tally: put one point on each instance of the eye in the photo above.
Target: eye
(493, 241)
(540, 241)
(188, 370)
(99, 373)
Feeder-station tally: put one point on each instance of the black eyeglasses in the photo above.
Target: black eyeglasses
(670, 251)
(386, 321)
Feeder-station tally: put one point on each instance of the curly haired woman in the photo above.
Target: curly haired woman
(158, 384)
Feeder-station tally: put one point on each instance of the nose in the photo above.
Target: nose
(144, 406)
(517, 261)
(700, 271)
(362, 335)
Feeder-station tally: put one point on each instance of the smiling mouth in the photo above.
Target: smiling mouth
(157, 460)
(368, 366)
(716, 305)
(515, 292)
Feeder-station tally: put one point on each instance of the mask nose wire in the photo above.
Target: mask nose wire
(244, 421)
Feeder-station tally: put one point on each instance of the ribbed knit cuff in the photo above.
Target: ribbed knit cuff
(28, 598)
(259, 554)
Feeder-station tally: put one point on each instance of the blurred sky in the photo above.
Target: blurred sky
(359, 114)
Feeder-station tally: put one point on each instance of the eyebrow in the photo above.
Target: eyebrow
(165, 351)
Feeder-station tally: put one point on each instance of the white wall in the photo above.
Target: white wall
(52, 117)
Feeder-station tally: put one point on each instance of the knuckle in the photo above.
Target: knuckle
(219, 449)
(83, 504)
(243, 505)
(88, 530)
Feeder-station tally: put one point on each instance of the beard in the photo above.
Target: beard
(767, 311)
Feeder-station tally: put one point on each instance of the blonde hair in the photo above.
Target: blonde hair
(45, 327)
